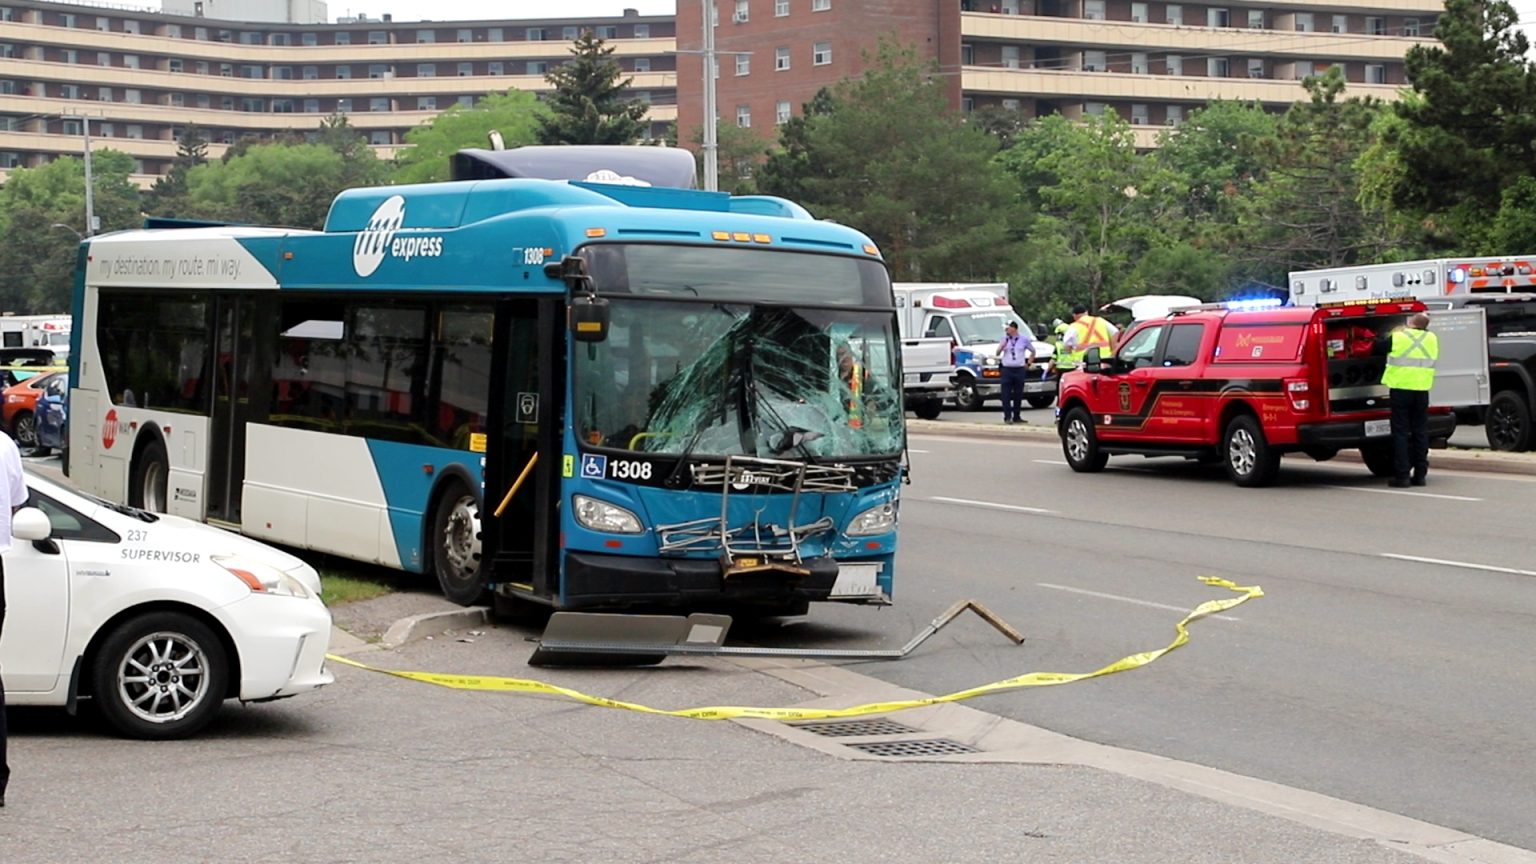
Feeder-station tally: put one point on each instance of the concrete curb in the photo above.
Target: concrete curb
(414, 627)
(1455, 458)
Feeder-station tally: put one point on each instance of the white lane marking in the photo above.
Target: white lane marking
(1468, 565)
(915, 450)
(1403, 492)
(1049, 461)
(1128, 600)
(969, 502)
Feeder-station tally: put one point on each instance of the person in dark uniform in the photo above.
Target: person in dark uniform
(1411, 354)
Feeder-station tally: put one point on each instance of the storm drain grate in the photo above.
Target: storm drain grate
(852, 728)
(925, 747)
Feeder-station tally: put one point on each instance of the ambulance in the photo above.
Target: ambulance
(972, 316)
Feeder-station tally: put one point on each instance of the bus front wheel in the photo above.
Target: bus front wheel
(151, 471)
(456, 545)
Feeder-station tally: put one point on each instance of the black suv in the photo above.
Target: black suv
(1511, 365)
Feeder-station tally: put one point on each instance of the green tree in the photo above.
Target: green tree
(789, 165)
(588, 105)
(1307, 212)
(270, 184)
(1217, 154)
(37, 259)
(1472, 131)
(893, 160)
(738, 154)
(168, 197)
(426, 158)
(362, 167)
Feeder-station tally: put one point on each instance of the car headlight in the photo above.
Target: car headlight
(262, 578)
(602, 516)
(990, 361)
(880, 519)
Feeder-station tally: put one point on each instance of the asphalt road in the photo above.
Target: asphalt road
(1400, 684)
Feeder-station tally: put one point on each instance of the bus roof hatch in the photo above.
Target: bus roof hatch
(670, 167)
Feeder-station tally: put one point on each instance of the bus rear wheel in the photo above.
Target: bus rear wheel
(456, 546)
(151, 473)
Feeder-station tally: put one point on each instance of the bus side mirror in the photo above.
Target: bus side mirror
(1093, 362)
(589, 319)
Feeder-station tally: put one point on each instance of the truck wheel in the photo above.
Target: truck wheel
(1509, 422)
(928, 409)
(1040, 400)
(1249, 459)
(966, 396)
(1079, 443)
(1378, 459)
(456, 545)
(151, 475)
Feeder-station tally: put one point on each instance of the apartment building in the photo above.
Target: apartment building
(1150, 62)
(139, 77)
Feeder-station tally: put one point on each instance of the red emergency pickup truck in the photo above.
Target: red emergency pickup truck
(1242, 387)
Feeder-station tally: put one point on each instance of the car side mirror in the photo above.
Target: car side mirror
(30, 523)
(1093, 360)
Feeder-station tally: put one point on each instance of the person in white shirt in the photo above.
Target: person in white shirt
(13, 494)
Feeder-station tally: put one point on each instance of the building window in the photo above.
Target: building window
(309, 38)
(343, 38)
(1376, 25)
(424, 37)
(821, 54)
(1256, 68)
(466, 34)
(467, 101)
(740, 16)
(377, 70)
(1216, 67)
(1095, 61)
(643, 64)
(247, 38)
(1093, 10)
(607, 31)
(1138, 114)
(344, 104)
(426, 103)
(379, 138)
(820, 5)
(282, 73)
(642, 31)
(253, 72)
(1010, 56)
(466, 70)
(226, 70)
(1255, 19)
(743, 64)
(1174, 14)
(103, 58)
(1304, 22)
(131, 26)
(131, 61)
(282, 106)
(1375, 73)
(570, 34)
(780, 8)
(279, 39)
(104, 94)
(378, 103)
(967, 54)
(1010, 104)
(252, 105)
(1341, 23)
(1093, 109)
(781, 112)
(967, 104)
(423, 70)
(495, 34)
(378, 37)
(204, 100)
(1410, 27)
(537, 67)
(173, 64)
(1218, 18)
(534, 34)
(1175, 115)
(311, 106)
(343, 72)
(309, 73)
(1139, 13)
(1138, 63)
(744, 116)
(780, 59)
(1174, 64)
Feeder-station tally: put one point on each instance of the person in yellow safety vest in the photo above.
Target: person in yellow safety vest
(851, 371)
(1411, 354)
(1085, 332)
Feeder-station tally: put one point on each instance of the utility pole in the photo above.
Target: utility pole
(711, 154)
(90, 210)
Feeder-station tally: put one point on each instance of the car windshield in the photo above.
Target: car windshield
(734, 378)
(982, 328)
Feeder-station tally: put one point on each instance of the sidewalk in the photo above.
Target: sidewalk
(967, 785)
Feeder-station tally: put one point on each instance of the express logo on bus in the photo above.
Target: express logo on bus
(379, 240)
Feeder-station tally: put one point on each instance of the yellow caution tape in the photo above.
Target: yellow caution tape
(1031, 679)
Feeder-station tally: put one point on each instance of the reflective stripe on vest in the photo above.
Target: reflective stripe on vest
(1411, 362)
(1086, 333)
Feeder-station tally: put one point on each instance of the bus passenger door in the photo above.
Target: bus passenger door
(527, 387)
(239, 360)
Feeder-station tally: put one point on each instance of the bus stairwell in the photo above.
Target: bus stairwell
(758, 545)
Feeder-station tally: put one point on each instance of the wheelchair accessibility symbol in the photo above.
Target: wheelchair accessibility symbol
(593, 466)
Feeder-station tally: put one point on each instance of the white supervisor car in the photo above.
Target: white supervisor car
(154, 618)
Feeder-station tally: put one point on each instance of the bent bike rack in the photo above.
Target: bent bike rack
(606, 639)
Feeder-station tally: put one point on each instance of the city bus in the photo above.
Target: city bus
(563, 377)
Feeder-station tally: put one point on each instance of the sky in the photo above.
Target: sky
(482, 10)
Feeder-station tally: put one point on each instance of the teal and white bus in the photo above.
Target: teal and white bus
(556, 379)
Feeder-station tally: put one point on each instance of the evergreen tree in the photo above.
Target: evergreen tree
(168, 197)
(588, 104)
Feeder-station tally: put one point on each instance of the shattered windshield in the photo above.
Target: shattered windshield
(732, 378)
(979, 329)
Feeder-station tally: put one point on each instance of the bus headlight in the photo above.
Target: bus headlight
(880, 519)
(602, 516)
